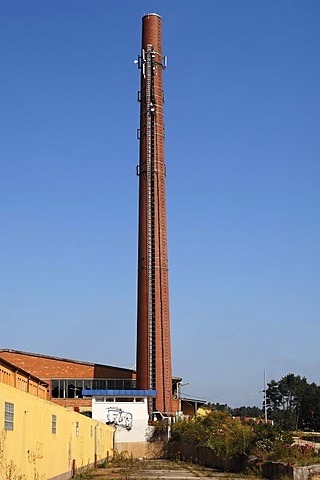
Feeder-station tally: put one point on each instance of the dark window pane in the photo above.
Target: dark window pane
(54, 388)
(62, 393)
(79, 387)
(88, 384)
(71, 388)
(111, 384)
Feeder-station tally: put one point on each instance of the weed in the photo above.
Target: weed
(84, 473)
(8, 469)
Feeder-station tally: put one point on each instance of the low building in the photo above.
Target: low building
(39, 439)
(190, 406)
(19, 378)
(127, 412)
(66, 378)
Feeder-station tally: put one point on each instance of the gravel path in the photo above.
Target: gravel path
(155, 469)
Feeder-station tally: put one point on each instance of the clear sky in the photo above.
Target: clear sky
(242, 152)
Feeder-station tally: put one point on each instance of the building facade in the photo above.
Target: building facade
(39, 439)
(66, 378)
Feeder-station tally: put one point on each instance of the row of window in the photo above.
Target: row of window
(119, 399)
(72, 388)
(9, 420)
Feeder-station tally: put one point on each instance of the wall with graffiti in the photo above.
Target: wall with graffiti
(39, 439)
(129, 416)
(119, 418)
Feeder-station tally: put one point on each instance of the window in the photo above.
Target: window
(99, 399)
(54, 424)
(111, 384)
(87, 384)
(77, 429)
(55, 388)
(79, 388)
(72, 388)
(8, 416)
(99, 384)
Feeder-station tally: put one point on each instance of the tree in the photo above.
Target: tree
(220, 407)
(310, 408)
(243, 411)
(293, 403)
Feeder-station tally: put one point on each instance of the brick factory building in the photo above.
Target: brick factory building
(67, 378)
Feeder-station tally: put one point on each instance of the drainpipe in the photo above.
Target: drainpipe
(114, 440)
(96, 445)
(73, 468)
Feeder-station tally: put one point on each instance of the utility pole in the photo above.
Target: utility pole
(265, 397)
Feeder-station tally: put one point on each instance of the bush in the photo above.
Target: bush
(229, 438)
(218, 431)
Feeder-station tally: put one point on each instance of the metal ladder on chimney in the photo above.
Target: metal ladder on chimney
(150, 217)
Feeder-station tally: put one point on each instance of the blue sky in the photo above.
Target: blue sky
(242, 154)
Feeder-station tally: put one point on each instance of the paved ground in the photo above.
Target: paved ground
(154, 469)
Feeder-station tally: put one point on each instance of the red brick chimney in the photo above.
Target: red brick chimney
(153, 325)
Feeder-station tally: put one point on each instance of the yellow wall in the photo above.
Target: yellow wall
(15, 377)
(35, 451)
(202, 411)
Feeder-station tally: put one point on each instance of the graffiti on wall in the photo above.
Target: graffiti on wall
(35, 453)
(116, 416)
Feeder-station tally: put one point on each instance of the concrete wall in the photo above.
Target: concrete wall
(276, 471)
(143, 449)
(34, 451)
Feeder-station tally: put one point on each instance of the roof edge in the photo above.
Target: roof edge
(41, 355)
(21, 370)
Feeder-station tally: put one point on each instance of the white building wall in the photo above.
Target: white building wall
(129, 417)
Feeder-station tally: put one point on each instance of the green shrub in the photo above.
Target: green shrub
(218, 431)
(229, 438)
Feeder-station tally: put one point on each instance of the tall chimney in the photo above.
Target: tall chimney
(153, 325)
